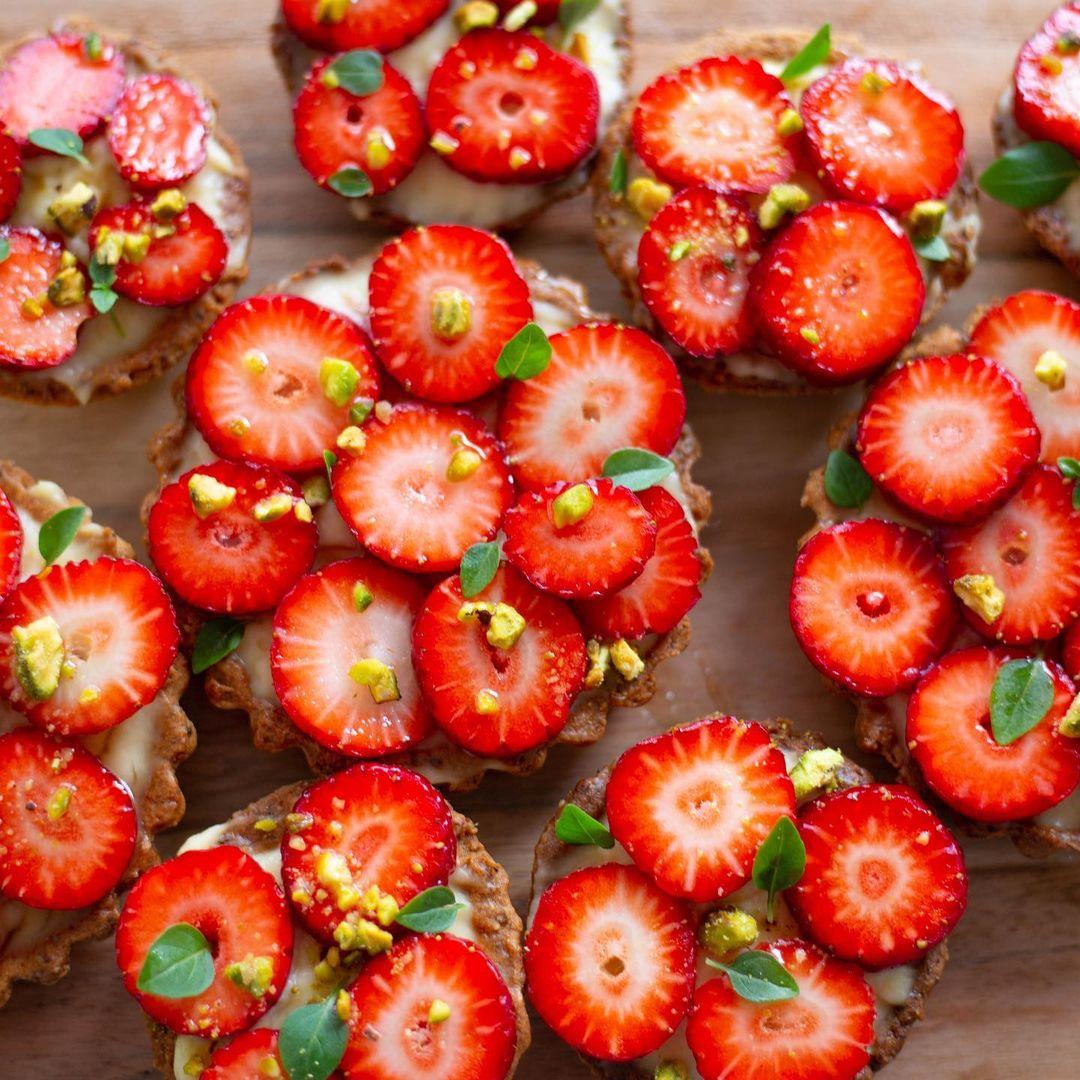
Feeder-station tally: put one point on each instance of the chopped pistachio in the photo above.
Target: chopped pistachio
(1070, 722)
(93, 48)
(265, 825)
(526, 59)
(239, 426)
(360, 410)
(519, 158)
(59, 803)
(783, 199)
(790, 123)
(136, 246)
(67, 288)
(1068, 43)
(352, 440)
(627, 662)
(463, 464)
(324, 972)
(874, 83)
(442, 142)
(1051, 64)
(486, 703)
(253, 974)
(927, 217)
(302, 512)
(816, 769)
(439, 1012)
(599, 663)
(671, 1070)
(331, 11)
(810, 335)
(571, 506)
(451, 314)
(1051, 369)
(73, 209)
(32, 307)
(338, 379)
(378, 152)
(726, 930)
(269, 1068)
(89, 695)
(579, 48)
(520, 14)
(168, 204)
(329, 78)
(39, 656)
(362, 597)
(272, 507)
(256, 361)
(108, 246)
(378, 677)
(646, 196)
(679, 250)
(505, 624)
(196, 1066)
(980, 592)
(475, 15)
(343, 1006)
(296, 823)
(209, 496)
(383, 411)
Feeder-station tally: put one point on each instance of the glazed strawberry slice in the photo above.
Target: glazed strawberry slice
(1070, 651)
(1021, 331)
(692, 806)
(824, 1032)
(429, 483)
(694, 264)
(716, 122)
(838, 293)
(606, 387)
(884, 882)
(445, 299)
(1031, 549)
(394, 996)
(385, 25)
(609, 962)
(658, 599)
(498, 700)
(381, 133)
(11, 545)
(1045, 81)
(68, 825)
(207, 542)
(948, 437)
(507, 108)
(239, 908)
(870, 605)
(255, 386)
(10, 175)
(254, 1054)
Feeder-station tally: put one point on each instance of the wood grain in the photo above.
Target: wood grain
(1006, 1007)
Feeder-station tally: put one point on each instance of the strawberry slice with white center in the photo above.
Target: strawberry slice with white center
(205, 536)
(838, 293)
(824, 1033)
(348, 613)
(609, 962)
(1021, 331)
(239, 908)
(498, 700)
(117, 639)
(254, 1054)
(606, 387)
(1047, 104)
(1070, 651)
(10, 175)
(67, 825)
(445, 299)
(884, 882)
(716, 122)
(11, 545)
(255, 386)
(694, 263)
(870, 605)
(506, 108)
(1031, 548)
(404, 996)
(882, 135)
(948, 437)
(385, 25)
(693, 805)
(429, 483)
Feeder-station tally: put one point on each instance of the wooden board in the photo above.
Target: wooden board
(1006, 1008)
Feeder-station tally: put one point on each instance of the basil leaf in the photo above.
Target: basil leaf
(816, 51)
(571, 12)
(637, 469)
(619, 173)
(582, 830)
(360, 71)
(103, 299)
(479, 565)
(1021, 697)
(59, 141)
(933, 249)
(1031, 175)
(215, 640)
(780, 861)
(312, 1040)
(1069, 467)
(5, 248)
(758, 976)
(329, 460)
(526, 354)
(101, 275)
(58, 532)
(353, 183)
(432, 912)
(178, 965)
(847, 483)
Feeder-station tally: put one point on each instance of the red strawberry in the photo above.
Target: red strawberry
(948, 437)
(444, 301)
(34, 332)
(716, 123)
(824, 1033)
(606, 387)
(870, 605)
(495, 701)
(10, 175)
(385, 25)
(609, 962)
(658, 599)
(693, 805)
(408, 496)
(838, 293)
(228, 561)
(1017, 333)
(547, 11)
(254, 387)
(1070, 652)
(254, 1054)
(11, 545)
(52, 82)
(509, 109)
(1031, 548)
(393, 997)
(381, 133)
(240, 910)
(694, 273)
(1045, 79)
(67, 825)
(882, 135)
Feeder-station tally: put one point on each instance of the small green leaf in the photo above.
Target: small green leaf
(780, 861)
(1069, 467)
(1031, 175)
(571, 12)
(353, 183)
(215, 640)
(58, 532)
(101, 275)
(933, 249)
(758, 976)
(178, 965)
(329, 460)
(1021, 697)
(582, 830)
(5, 248)
(432, 912)
(103, 299)
(479, 565)
(637, 469)
(847, 483)
(59, 141)
(816, 51)
(312, 1040)
(619, 173)
(359, 71)
(525, 355)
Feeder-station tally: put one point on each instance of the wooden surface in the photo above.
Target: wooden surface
(1007, 1006)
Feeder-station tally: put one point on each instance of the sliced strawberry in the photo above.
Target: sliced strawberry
(381, 133)
(870, 605)
(250, 1056)
(227, 561)
(51, 82)
(253, 385)
(34, 332)
(444, 301)
(609, 962)
(494, 701)
(1031, 548)
(1046, 103)
(882, 135)
(393, 997)
(238, 907)
(11, 545)
(948, 437)
(1017, 333)
(606, 387)
(824, 1033)
(839, 292)
(1070, 651)
(716, 123)
(509, 109)
(67, 825)
(385, 25)
(884, 879)
(693, 805)
(10, 175)
(547, 11)
(403, 500)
